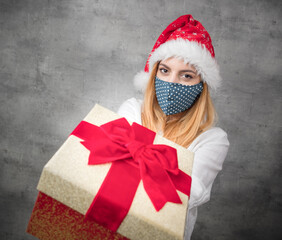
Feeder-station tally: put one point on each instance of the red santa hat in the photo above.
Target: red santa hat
(184, 38)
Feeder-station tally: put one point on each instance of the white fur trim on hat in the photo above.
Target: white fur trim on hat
(191, 52)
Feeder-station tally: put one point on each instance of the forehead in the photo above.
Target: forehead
(177, 64)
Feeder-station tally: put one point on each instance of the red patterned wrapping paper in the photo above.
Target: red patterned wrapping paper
(52, 220)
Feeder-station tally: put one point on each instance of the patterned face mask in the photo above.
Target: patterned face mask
(175, 97)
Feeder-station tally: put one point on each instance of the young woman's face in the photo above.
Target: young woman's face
(176, 71)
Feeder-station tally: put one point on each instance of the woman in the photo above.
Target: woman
(178, 76)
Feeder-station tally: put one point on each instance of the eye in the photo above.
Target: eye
(187, 76)
(163, 70)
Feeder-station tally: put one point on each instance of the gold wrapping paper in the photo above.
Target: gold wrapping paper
(68, 178)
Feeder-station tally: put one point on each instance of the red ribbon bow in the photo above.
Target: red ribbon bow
(133, 157)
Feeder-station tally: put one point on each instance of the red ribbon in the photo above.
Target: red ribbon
(133, 157)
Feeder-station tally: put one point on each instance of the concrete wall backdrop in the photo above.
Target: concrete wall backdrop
(59, 58)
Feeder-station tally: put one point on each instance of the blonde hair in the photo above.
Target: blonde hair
(183, 127)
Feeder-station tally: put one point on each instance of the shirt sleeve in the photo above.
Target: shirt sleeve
(210, 149)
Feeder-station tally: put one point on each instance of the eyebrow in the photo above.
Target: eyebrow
(185, 70)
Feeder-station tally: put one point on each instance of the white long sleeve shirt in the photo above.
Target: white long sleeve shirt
(210, 149)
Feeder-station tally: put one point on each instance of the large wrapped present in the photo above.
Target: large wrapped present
(123, 176)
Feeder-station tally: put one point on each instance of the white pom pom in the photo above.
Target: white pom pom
(140, 81)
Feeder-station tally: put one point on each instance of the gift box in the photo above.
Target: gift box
(69, 179)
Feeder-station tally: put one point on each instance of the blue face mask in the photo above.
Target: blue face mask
(175, 97)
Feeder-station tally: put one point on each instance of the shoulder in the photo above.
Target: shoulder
(131, 103)
(131, 110)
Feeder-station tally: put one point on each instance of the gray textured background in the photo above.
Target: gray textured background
(59, 58)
